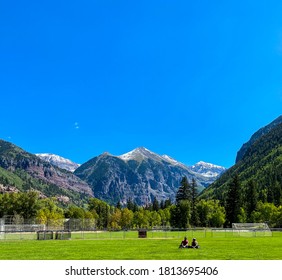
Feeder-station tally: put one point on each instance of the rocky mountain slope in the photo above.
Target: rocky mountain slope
(26, 171)
(59, 161)
(140, 175)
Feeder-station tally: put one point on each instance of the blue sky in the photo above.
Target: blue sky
(191, 80)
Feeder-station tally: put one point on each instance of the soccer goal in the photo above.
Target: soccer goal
(251, 229)
(63, 235)
(45, 235)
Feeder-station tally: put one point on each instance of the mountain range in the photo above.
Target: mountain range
(142, 175)
(139, 174)
(203, 168)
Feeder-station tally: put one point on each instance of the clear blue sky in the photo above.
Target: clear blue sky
(191, 79)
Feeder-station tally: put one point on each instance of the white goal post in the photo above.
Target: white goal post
(251, 229)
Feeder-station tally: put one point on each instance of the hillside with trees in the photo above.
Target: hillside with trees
(261, 165)
(251, 190)
(21, 171)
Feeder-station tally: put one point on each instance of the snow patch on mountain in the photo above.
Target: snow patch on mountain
(141, 175)
(140, 154)
(170, 159)
(205, 169)
(208, 169)
(59, 161)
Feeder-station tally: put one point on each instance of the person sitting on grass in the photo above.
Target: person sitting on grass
(194, 244)
(184, 243)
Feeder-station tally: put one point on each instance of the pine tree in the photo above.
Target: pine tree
(156, 205)
(194, 191)
(130, 204)
(181, 213)
(167, 203)
(277, 191)
(251, 197)
(135, 207)
(184, 191)
(194, 194)
(233, 201)
(118, 206)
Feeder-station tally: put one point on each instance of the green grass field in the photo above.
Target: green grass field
(126, 246)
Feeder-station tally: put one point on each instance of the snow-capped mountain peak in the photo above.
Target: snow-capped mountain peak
(59, 161)
(205, 169)
(140, 174)
(208, 169)
(140, 154)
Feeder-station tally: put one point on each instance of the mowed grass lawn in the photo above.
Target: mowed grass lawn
(212, 248)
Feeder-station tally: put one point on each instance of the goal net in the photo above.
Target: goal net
(45, 235)
(251, 229)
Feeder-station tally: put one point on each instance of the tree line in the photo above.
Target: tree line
(240, 205)
(245, 203)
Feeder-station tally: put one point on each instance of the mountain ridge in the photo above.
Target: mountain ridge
(140, 174)
(28, 171)
(59, 161)
(261, 163)
(256, 136)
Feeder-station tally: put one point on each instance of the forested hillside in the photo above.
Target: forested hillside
(262, 163)
(256, 136)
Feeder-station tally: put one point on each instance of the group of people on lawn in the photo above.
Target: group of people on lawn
(185, 244)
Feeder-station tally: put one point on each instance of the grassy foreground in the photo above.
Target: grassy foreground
(212, 248)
